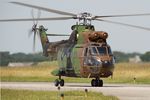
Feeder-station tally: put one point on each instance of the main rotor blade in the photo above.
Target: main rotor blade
(57, 34)
(41, 19)
(127, 15)
(45, 9)
(124, 24)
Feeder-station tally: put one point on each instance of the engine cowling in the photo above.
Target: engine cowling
(98, 36)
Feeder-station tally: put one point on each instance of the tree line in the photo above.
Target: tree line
(6, 57)
(124, 57)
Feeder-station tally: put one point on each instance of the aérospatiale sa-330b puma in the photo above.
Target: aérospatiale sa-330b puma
(86, 53)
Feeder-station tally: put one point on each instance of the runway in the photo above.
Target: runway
(122, 91)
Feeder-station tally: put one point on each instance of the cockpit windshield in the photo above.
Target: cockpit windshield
(93, 51)
(102, 50)
(97, 50)
(90, 51)
(109, 51)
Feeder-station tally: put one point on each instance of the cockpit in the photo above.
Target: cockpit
(97, 50)
(96, 54)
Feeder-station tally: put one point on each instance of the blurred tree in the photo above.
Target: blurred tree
(4, 58)
(124, 57)
(146, 57)
(22, 57)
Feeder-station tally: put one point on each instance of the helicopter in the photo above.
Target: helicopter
(86, 53)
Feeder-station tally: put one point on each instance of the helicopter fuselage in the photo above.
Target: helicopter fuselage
(88, 61)
(85, 54)
(91, 56)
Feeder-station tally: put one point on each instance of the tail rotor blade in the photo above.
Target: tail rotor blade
(34, 28)
(34, 37)
(38, 16)
(30, 32)
(32, 14)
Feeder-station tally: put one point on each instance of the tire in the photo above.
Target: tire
(93, 83)
(61, 82)
(56, 82)
(100, 83)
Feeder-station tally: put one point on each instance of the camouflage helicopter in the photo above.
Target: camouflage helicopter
(86, 53)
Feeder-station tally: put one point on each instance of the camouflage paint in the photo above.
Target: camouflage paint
(81, 29)
(76, 61)
(77, 56)
(43, 36)
(86, 36)
(62, 61)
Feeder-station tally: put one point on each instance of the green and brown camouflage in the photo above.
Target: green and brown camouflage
(85, 54)
(43, 36)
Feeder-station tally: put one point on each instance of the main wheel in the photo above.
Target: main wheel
(101, 83)
(97, 83)
(56, 82)
(93, 82)
(61, 82)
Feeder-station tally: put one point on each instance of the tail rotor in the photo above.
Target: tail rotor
(34, 29)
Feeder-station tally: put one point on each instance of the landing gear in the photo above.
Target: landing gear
(59, 81)
(62, 82)
(97, 82)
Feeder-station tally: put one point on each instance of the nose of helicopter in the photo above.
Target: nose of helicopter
(99, 67)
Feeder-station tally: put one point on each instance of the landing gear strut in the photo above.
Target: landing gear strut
(59, 81)
(97, 82)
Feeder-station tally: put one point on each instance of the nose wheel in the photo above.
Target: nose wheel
(97, 82)
(59, 81)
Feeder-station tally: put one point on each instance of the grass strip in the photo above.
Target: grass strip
(8, 94)
(123, 73)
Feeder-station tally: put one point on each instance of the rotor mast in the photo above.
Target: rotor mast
(84, 18)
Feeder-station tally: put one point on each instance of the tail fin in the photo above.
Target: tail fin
(44, 39)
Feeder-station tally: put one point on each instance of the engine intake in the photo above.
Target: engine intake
(98, 36)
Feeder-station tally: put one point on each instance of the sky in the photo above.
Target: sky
(14, 35)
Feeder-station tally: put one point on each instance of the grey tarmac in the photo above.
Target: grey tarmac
(122, 91)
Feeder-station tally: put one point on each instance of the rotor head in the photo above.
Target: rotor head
(84, 18)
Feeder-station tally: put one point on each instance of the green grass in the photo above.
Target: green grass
(7, 94)
(126, 72)
(123, 73)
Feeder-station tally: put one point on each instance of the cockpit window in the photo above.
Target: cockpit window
(93, 51)
(85, 51)
(109, 51)
(102, 50)
(97, 50)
